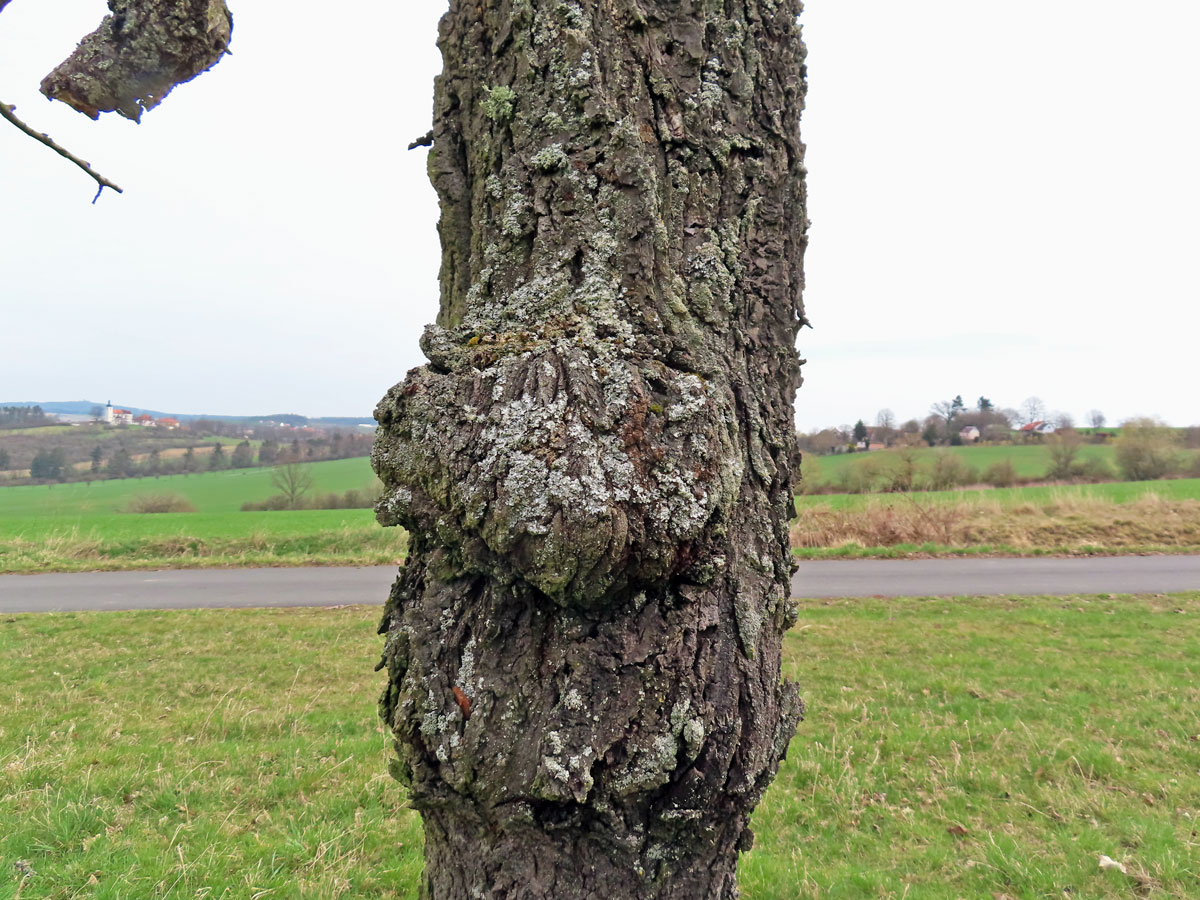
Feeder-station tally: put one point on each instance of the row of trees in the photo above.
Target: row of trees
(53, 464)
(1145, 450)
(22, 417)
(294, 485)
(943, 426)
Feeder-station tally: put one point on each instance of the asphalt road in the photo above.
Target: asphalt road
(226, 588)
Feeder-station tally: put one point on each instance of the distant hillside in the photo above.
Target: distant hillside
(84, 407)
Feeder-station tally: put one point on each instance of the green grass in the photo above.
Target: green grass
(969, 748)
(198, 755)
(988, 748)
(1114, 492)
(207, 526)
(198, 540)
(77, 527)
(209, 492)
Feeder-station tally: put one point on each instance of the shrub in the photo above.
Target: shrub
(864, 476)
(904, 472)
(1193, 468)
(159, 503)
(273, 503)
(1095, 469)
(810, 473)
(1000, 474)
(1146, 449)
(948, 471)
(352, 499)
(1064, 447)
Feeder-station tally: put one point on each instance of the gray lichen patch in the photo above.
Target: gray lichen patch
(549, 158)
(554, 459)
(652, 764)
(139, 53)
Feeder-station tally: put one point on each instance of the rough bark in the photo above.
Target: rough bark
(139, 53)
(595, 466)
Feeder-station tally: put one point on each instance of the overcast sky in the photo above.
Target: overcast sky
(1005, 198)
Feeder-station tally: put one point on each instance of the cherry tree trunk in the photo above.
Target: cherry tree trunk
(595, 467)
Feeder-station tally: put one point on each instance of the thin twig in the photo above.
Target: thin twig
(9, 112)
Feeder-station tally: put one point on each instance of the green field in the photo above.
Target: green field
(959, 748)
(209, 492)
(78, 527)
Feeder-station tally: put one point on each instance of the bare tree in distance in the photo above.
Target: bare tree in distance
(596, 466)
(949, 410)
(1032, 409)
(885, 418)
(1096, 418)
(293, 481)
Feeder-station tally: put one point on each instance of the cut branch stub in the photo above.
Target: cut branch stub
(141, 50)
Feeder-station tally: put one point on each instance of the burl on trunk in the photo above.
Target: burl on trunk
(595, 467)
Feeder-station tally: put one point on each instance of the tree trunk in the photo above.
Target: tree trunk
(595, 467)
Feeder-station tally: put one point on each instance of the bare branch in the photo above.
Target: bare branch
(9, 112)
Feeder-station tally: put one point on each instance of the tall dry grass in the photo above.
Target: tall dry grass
(1064, 523)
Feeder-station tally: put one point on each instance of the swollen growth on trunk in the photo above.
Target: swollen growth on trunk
(596, 465)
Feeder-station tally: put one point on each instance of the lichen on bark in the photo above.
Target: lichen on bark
(596, 464)
(139, 53)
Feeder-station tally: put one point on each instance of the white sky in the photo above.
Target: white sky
(1005, 197)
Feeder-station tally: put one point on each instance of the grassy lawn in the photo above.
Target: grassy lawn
(975, 748)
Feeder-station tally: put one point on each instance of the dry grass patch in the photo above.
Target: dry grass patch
(1065, 524)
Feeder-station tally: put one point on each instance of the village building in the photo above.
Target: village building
(1038, 427)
